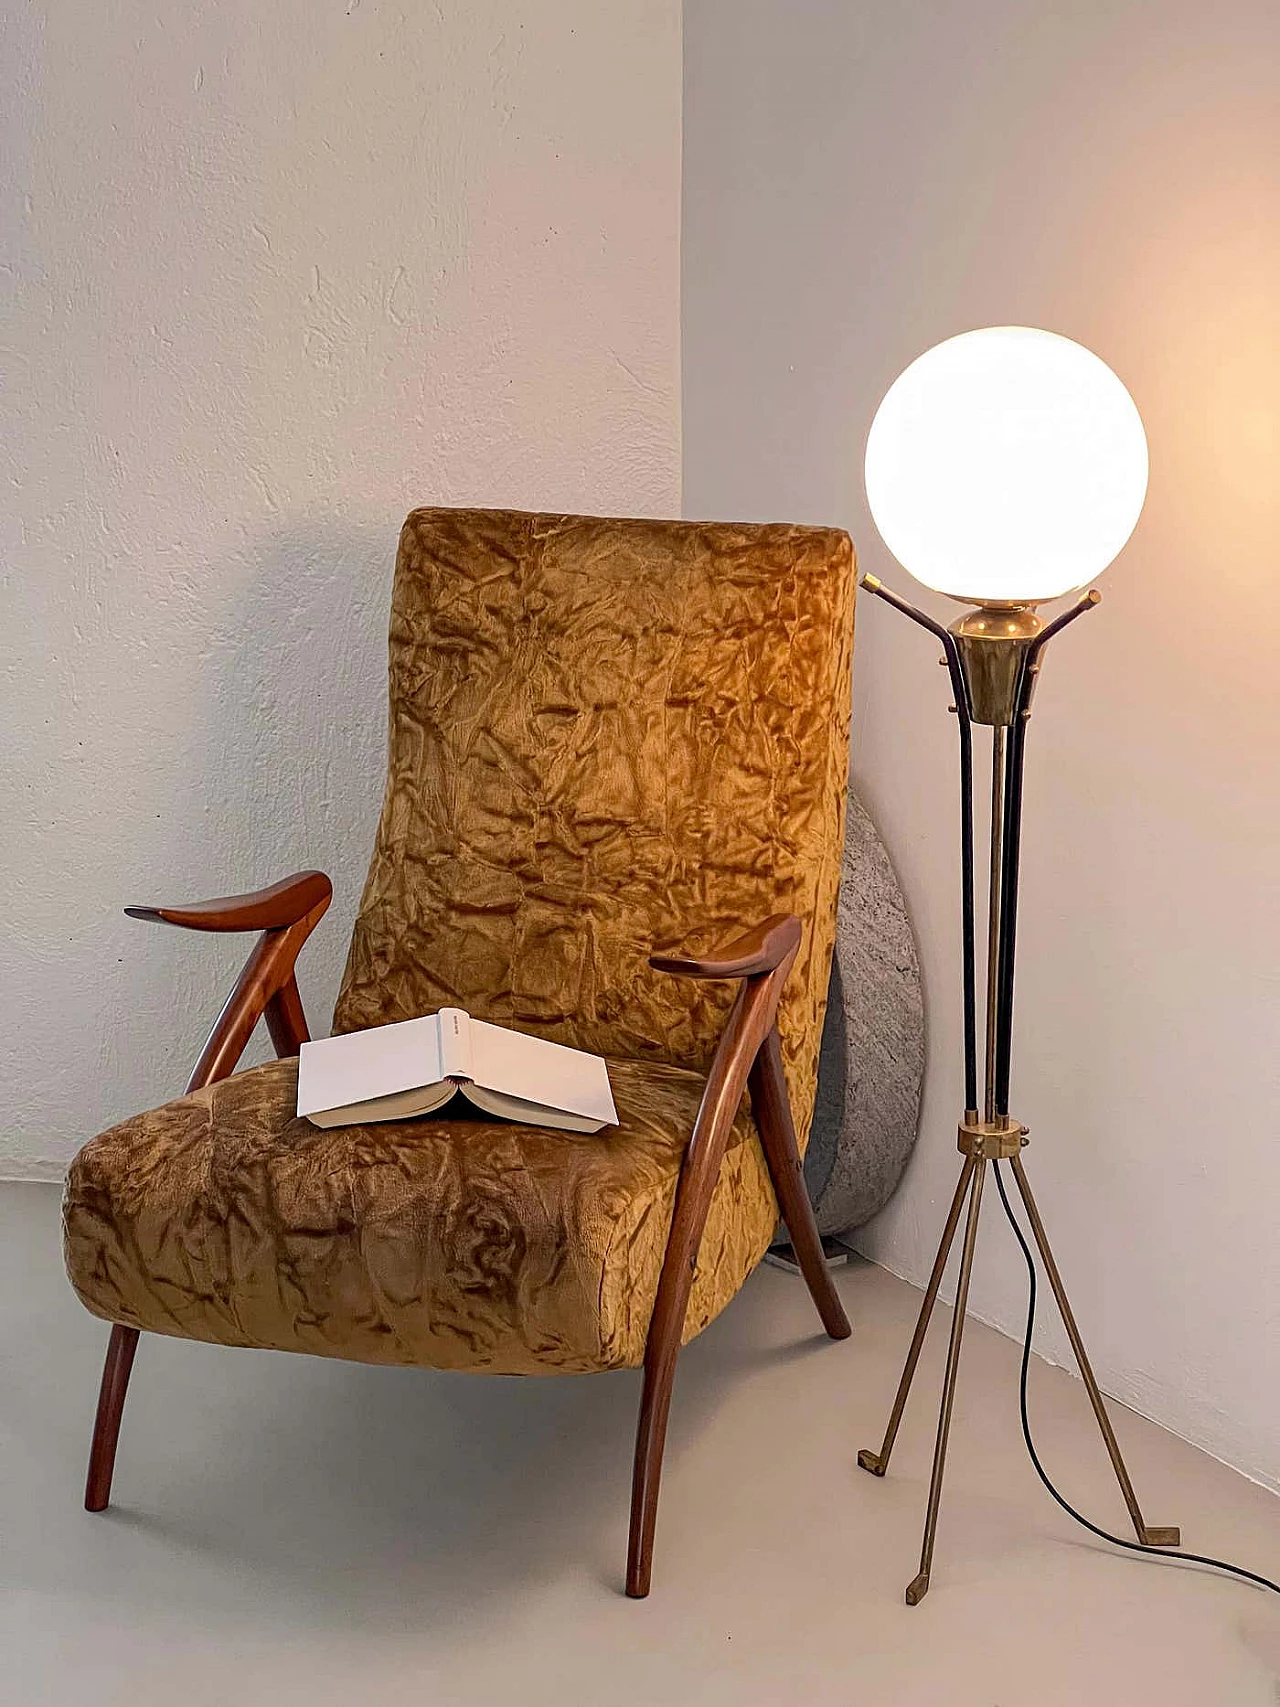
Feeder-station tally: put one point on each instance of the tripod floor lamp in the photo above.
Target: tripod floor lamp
(1004, 468)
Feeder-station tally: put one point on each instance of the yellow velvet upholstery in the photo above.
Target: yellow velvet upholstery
(605, 737)
(457, 1244)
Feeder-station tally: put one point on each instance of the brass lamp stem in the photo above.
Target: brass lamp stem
(993, 654)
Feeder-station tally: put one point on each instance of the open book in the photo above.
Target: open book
(403, 1071)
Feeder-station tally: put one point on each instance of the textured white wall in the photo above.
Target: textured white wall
(276, 273)
(860, 182)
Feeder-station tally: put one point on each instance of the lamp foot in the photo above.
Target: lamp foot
(1161, 1537)
(868, 1460)
(917, 1588)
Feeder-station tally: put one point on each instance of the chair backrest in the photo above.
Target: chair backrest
(607, 737)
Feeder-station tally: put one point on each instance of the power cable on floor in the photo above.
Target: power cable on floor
(1104, 1535)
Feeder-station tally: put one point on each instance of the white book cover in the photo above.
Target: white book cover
(406, 1070)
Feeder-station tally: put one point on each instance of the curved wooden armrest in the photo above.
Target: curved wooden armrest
(271, 909)
(761, 959)
(286, 914)
(761, 949)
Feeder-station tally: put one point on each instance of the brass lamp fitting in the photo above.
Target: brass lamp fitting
(995, 1140)
(988, 647)
(993, 641)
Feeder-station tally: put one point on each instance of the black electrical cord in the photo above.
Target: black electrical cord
(1115, 1540)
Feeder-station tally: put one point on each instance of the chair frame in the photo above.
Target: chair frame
(747, 1058)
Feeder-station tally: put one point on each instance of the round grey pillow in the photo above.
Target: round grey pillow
(872, 1056)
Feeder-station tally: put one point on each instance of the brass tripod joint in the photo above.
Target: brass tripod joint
(991, 1140)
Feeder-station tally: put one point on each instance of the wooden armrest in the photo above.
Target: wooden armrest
(272, 909)
(761, 960)
(761, 949)
(286, 914)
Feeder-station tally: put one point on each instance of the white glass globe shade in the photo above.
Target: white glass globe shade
(1006, 464)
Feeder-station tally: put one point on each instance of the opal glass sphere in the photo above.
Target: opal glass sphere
(1006, 464)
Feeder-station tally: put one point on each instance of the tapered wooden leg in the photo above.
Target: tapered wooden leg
(666, 1332)
(666, 1328)
(662, 1348)
(287, 1024)
(106, 1428)
(772, 1108)
(651, 1437)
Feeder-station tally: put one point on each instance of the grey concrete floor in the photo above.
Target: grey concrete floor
(293, 1531)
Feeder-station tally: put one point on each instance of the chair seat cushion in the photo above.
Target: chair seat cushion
(465, 1243)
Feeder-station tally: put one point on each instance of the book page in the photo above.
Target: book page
(335, 1072)
(528, 1113)
(403, 1105)
(535, 1071)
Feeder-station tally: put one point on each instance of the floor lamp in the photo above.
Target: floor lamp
(1004, 468)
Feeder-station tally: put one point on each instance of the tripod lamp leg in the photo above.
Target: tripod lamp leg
(878, 1462)
(919, 1585)
(1169, 1537)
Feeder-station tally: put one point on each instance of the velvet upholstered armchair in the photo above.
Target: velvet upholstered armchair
(613, 817)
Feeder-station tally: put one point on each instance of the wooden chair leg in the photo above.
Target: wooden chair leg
(772, 1108)
(661, 1352)
(106, 1428)
(666, 1326)
(286, 914)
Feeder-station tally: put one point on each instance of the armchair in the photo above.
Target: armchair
(602, 734)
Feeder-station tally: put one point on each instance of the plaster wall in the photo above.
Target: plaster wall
(860, 182)
(275, 274)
